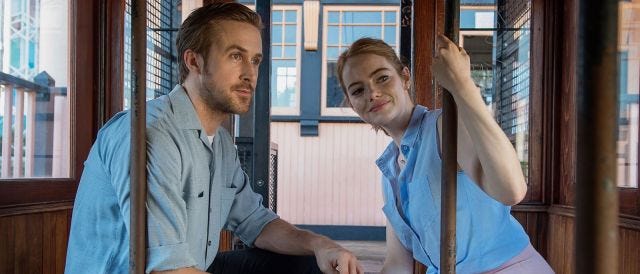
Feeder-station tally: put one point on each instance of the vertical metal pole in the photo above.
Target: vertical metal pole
(256, 123)
(597, 113)
(406, 32)
(449, 155)
(138, 232)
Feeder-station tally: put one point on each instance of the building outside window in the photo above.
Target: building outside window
(629, 92)
(34, 101)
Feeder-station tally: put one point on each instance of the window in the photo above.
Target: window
(163, 18)
(285, 60)
(499, 51)
(342, 26)
(629, 93)
(34, 89)
(510, 98)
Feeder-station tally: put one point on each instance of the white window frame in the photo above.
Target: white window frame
(347, 111)
(293, 110)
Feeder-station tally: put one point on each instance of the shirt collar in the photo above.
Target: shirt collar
(410, 136)
(185, 113)
(387, 159)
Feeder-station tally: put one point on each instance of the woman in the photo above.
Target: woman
(489, 240)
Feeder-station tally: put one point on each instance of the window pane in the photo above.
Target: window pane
(290, 16)
(332, 53)
(510, 98)
(359, 17)
(276, 16)
(290, 52)
(276, 34)
(335, 96)
(353, 33)
(283, 83)
(390, 35)
(35, 100)
(332, 35)
(467, 19)
(276, 51)
(629, 91)
(290, 34)
(390, 17)
(334, 17)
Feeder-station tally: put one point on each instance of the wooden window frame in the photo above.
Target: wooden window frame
(92, 26)
(564, 117)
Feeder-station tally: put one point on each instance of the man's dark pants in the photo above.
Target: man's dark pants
(259, 261)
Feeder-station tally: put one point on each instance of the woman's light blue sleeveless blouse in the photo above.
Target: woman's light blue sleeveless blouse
(487, 234)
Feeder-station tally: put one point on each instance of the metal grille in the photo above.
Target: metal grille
(245, 156)
(273, 177)
(162, 19)
(511, 93)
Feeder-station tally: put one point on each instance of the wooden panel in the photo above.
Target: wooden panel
(34, 242)
(630, 253)
(567, 101)
(7, 247)
(561, 242)
(331, 179)
(558, 246)
(226, 241)
(534, 221)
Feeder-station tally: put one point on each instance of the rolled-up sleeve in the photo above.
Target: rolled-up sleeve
(247, 217)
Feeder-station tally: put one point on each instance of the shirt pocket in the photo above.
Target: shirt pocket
(195, 200)
(227, 196)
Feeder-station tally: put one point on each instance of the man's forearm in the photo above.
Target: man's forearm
(281, 237)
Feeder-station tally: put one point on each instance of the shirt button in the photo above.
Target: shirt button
(405, 149)
(209, 243)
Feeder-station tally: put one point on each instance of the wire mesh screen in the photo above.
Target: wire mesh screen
(511, 82)
(273, 176)
(163, 18)
(244, 146)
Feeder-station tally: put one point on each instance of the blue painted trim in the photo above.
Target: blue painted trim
(309, 128)
(348, 232)
(322, 119)
(311, 84)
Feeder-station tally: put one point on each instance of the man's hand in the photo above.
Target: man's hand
(336, 259)
(281, 237)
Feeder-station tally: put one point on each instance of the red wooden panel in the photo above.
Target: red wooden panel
(7, 247)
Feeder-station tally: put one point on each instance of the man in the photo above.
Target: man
(195, 183)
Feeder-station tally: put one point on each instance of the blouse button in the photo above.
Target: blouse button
(405, 149)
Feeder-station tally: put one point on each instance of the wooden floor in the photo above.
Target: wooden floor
(371, 254)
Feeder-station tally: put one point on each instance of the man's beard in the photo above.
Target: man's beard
(219, 99)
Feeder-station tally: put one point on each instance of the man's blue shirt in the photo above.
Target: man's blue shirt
(195, 188)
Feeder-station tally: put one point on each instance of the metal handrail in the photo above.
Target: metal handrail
(596, 244)
(449, 155)
(138, 232)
